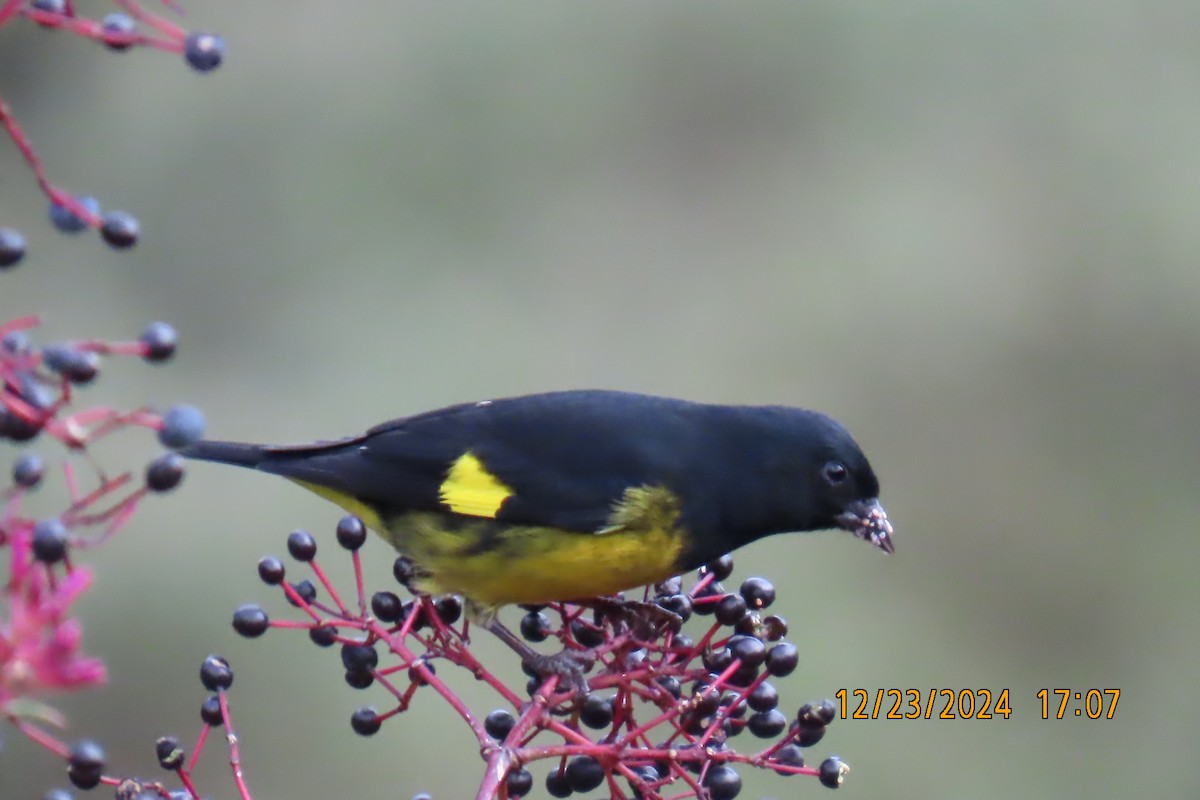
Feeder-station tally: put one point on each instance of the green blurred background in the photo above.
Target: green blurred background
(967, 230)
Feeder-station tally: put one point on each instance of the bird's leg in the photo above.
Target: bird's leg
(570, 666)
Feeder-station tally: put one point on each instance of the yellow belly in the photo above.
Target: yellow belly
(494, 566)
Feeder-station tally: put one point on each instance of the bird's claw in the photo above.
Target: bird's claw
(569, 666)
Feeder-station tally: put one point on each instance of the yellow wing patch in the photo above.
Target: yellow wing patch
(470, 489)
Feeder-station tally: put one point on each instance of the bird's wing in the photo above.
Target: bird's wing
(565, 460)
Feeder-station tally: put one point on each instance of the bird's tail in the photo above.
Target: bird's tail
(236, 453)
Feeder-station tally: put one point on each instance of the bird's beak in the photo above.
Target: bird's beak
(867, 520)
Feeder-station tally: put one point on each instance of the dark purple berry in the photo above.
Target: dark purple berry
(51, 6)
(720, 568)
(807, 737)
(359, 657)
(359, 680)
(16, 342)
(730, 609)
(365, 721)
(351, 533)
(584, 773)
(705, 705)
(758, 592)
(723, 782)
(717, 660)
(774, 628)
(181, 426)
(597, 712)
(449, 608)
(826, 711)
(405, 571)
(767, 724)
(587, 635)
(204, 51)
(117, 28)
(77, 366)
(67, 220)
(387, 607)
(670, 586)
(414, 672)
(159, 340)
(670, 685)
(28, 470)
(251, 621)
(535, 626)
(749, 650)
(215, 674)
(782, 659)
(558, 784)
(306, 591)
(833, 772)
(12, 247)
(519, 782)
(789, 755)
(85, 764)
(49, 541)
(763, 698)
(678, 604)
(648, 775)
(210, 711)
(270, 570)
(170, 754)
(165, 472)
(498, 724)
(301, 545)
(16, 427)
(323, 635)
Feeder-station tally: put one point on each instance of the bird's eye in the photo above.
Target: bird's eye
(836, 472)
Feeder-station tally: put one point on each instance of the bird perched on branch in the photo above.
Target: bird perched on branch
(577, 494)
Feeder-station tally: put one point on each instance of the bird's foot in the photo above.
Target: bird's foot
(569, 666)
(646, 620)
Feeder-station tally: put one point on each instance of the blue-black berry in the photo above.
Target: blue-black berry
(767, 724)
(85, 764)
(720, 568)
(833, 772)
(519, 782)
(366, 721)
(210, 711)
(790, 755)
(723, 782)
(763, 698)
(387, 607)
(28, 470)
(498, 723)
(782, 659)
(165, 472)
(301, 545)
(558, 784)
(351, 533)
(159, 340)
(204, 51)
(359, 657)
(323, 635)
(216, 674)
(12, 247)
(758, 592)
(270, 570)
(584, 773)
(170, 755)
(181, 426)
(306, 591)
(535, 626)
(67, 220)
(117, 28)
(49, 541)
(251, 621)
(597, 712)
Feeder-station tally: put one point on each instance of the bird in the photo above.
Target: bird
(569, 495)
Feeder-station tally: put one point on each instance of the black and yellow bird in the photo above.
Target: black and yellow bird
(578, 494)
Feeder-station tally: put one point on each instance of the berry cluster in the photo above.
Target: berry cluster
(41, 641)
(131, 26)
(657, 717)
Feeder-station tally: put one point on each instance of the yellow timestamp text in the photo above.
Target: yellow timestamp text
(923, 704)
(1090, 703)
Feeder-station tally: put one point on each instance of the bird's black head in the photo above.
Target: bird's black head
(815, 476)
